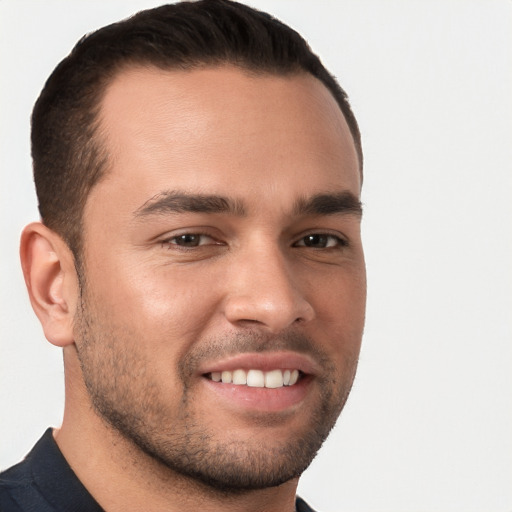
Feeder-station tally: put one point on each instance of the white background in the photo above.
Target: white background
(429, 424)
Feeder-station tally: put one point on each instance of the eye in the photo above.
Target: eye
(189, 240)
(321, 241)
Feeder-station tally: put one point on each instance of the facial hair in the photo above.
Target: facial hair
(125, 393)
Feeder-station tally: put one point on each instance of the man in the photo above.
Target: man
(199, 261)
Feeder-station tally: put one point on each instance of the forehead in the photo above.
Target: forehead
(223, 130)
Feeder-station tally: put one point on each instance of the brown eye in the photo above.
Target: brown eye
(321, 241)
(187, 240)
(318, 241)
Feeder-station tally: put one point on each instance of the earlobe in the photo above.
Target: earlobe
(50, 277)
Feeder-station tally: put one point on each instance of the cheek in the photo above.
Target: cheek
(164, 305)
(340, 295)
(340, 305)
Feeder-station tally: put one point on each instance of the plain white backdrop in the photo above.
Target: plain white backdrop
(428, 426)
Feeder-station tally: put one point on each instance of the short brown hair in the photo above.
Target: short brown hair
(68, 157)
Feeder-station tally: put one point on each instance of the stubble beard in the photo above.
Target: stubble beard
(127, 398)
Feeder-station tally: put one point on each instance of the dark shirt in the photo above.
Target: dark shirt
(44, 482)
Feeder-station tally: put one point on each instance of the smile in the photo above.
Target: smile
(265, 382)
(257, 378)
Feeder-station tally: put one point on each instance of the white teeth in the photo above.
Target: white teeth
(257, 378)
(274, 379)
(239, 377)
(294, 377)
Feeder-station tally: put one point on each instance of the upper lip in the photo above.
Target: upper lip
(264, 361)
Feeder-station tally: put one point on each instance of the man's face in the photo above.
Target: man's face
(223, 243)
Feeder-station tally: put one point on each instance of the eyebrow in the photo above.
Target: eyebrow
(170, 202)
(329, 204)
(181, 202)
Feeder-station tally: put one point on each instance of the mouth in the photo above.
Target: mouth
(255, 378)
(265, 382)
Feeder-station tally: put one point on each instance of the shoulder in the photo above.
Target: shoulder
(20, 489)
(44, 482)
(15, 476)
(17, 490)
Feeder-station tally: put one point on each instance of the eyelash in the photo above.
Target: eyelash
(168, 242)
(339, 242)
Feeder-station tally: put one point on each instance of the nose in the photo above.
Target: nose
(263, 290)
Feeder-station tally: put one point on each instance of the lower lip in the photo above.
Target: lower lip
(261, 399)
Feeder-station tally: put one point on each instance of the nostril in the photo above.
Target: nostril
(248, 322)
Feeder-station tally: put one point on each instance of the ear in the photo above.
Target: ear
(49, 270)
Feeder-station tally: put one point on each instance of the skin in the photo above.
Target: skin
(148, 317)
